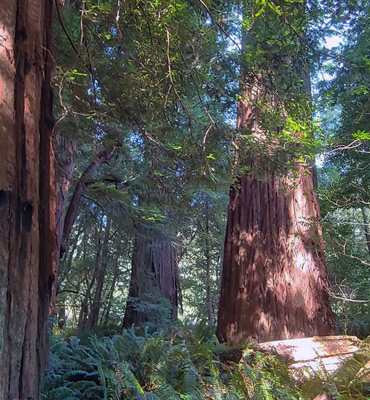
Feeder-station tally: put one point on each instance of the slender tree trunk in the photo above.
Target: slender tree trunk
(154, 275)
(366, 227)
(27, 195)
(111, 291)
(95, 308)
(274, 280)
(83, 319)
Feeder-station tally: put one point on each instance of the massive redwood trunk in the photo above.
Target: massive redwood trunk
(274, 280)
(27, 195)
(154, 276)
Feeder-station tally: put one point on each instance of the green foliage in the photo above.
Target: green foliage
(180, 365)
(263, 376)
(183, 364)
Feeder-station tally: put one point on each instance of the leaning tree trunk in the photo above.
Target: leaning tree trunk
(70, 216)
(154, 276)
(274, 280)
(27, 195)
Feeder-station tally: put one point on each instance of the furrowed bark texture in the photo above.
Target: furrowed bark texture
(27, 195)
(154, 274)
(274, 283)
(274, 280)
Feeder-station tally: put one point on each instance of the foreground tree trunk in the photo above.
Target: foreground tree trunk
(154, 276)
(274, 280)
(27, 195)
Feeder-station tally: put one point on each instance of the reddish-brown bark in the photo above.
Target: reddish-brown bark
(154, 274)
(27, 195)
(274, 280)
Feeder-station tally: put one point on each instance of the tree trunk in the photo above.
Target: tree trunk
(65, 152)
(366, 227)
(95, 307)
(274, 280)
(27, 195)
(154, 276)
(274, 283)
(83, 318)
(111, 292)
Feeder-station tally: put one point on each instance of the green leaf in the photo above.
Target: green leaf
(361, 135)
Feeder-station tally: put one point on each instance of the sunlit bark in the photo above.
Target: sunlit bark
(274, 280)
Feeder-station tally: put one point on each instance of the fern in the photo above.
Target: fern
(181, 365)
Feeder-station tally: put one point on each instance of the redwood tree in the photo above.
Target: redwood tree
(154, 277)
(274, 281)
(27, 195)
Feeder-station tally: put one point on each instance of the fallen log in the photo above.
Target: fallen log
(315, 354)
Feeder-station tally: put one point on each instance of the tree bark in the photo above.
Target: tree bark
(274, 280)
(154, 275)
(27, 195)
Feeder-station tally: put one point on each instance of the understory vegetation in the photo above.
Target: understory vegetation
(186, 364)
